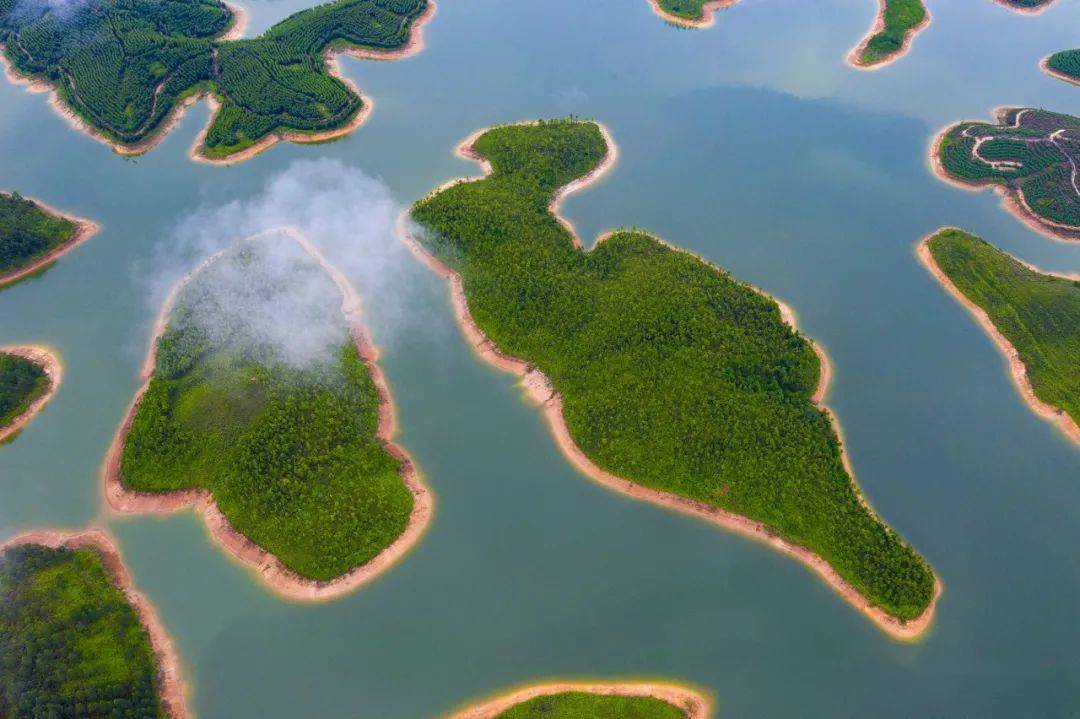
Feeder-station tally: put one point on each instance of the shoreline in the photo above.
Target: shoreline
(171, 687)
(239, 24)
(1025, 10)
(852, 58)
(1059, 418)
(707, 19)
(53, 369)
(693, 703)
(1044, 65)
(270, 569)
(84, 230)
(539, 388)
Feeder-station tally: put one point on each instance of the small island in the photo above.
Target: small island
(1030, 157)
(689, 13)
(124, 71)
(587, 700)
(661, 376)
(1030, 7)
(265, 407)
(896, 25)
(29, 377)
(33, 236)
(1032, 316)
(76, 640)
(1064, 65)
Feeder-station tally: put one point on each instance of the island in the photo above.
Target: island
(896, 25)
(1032, 316)
(593, 700)
(34, 235)
(123, 71)
(1029, 156)
(1064, 65)
(29, 377)
(76, 639)
(661, 376)
(1030, 7)
(264, 406)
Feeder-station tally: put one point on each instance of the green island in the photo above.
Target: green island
(897, 23)
(589, 700)
(1037, 313)
(672, 374)
(1030, 155)
(31, 236)
(287, 444)
(22, 382)
(583, 705)
(71, 642)
(1064, 65)
(124, 67)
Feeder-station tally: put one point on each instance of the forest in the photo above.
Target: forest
(71, 645)
(28, 232)
(124, 66)
(1038, 313)
(673, 374)
(1067, 63)
(901, 18)
(22, 382)
(583, 705)
(288, 449)
(1029, 152)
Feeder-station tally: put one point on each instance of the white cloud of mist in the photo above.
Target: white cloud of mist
(61, 10)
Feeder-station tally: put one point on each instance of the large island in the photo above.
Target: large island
(593, 700)
(662, 376)
(123, 70)
(33, 236)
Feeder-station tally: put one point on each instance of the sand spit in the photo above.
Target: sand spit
(55, 372)
(707, 19)
(1017, 370)
(170, 680)
(695, 705)
(853, 58)
(276, 575)
(539, 388)
(85, 229)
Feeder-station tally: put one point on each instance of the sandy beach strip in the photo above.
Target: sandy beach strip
(1017, 370)
(693, 703)
(171, 686)
(1044, 65)
(239, 23)
(45, 358)
(84, 230)
(879, 26)
(539, 388)
(707, 19)
(273, 573)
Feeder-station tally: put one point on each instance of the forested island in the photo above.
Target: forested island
(1030, 156)
(1033, 317)
(662, 376)
(33, 236)
(897, 23)
(265, 407)
(29, 376)
(1064, 65)
(76, 640)
(593, 701)
(126, 68)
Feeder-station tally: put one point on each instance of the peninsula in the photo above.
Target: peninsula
(124, 71)
(1032, 316)
(661, 375)
(29, 377)
(1064, 65)
(34, 235)
(593, 700)
(264, 406)
(76, 639)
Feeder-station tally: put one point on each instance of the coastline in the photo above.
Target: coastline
(273, 573)
(707, 19)
(1017, 370)
(171, 687)
(55, 372)
(878, 26)
(539, 388)
(85, 229)
(693, 703)
(1044, 65)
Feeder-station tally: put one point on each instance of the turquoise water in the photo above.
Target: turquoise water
(751, 143)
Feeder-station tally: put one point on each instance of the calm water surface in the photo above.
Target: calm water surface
(751, 143)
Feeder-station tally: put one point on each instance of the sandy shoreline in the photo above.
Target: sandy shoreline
(171, 686)
(878, 26)
(539, 388)
(276, 575)
(695, 704)
(1017, 369)
(55, 371)
(1044, 65)
(708, 14)
(85, 229)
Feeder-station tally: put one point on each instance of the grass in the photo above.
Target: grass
(1038, 313)
(901, 18)
(28, 232)
(673, 374)
(70, 643)
(582, 705)
(22, 383)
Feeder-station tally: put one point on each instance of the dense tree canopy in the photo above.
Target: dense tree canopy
(28, 232)
(21, 383)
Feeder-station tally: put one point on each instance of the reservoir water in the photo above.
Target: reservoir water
(751, 143)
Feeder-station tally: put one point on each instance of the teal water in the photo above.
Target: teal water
(751, 143)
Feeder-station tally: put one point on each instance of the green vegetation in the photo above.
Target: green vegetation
(1067, 63)
(582, 705)
(287, 444)
(1031, 153)
(673, 374)
(901, 18)
(692, 10)
(29, 232)
(124, 65)
(22, 382)
(71, 645)
(1038, 313)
